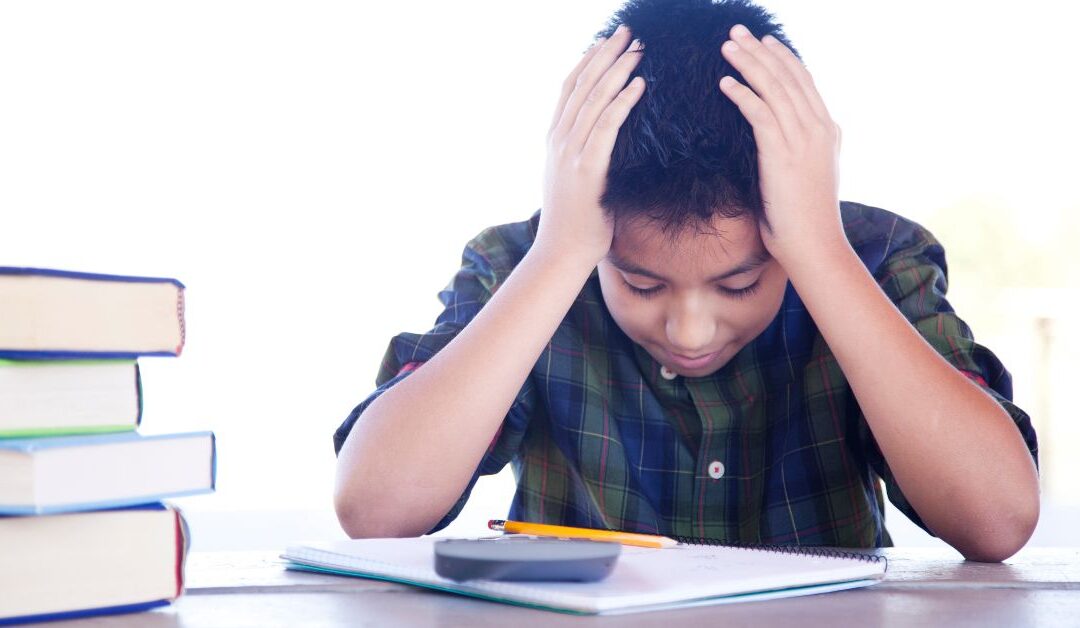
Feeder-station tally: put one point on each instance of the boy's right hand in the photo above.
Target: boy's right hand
(595, 102)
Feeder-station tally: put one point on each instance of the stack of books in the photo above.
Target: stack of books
(82, 527)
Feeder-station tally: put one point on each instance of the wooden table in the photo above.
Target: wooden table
(1037, 587)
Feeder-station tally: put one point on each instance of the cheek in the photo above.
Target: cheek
(637, 317)
(744, 320)
(766, 307)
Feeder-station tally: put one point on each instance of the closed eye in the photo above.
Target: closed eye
(740, 293)
(735, 293)
(644, 293)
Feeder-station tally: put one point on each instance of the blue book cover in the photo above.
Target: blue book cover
(89, 612)
(89, 472)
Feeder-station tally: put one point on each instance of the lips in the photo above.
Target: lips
(692, 362)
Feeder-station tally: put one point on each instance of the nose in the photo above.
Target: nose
(690, 327)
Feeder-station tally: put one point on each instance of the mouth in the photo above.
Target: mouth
(692, 362)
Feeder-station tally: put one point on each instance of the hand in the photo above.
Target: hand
(798, 144)
(594, 104)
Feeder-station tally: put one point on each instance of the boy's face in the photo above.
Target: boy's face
(692, 301)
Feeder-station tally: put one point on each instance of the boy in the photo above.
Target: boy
(694, 336)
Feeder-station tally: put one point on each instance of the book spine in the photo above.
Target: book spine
(138, 396)
(180, 319)
(183, 542)
(213, 461)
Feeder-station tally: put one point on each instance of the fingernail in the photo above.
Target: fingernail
(635, 45)
(740, 30)
(620, 30)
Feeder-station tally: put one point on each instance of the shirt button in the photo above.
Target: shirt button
(666, 374)
(716, 469)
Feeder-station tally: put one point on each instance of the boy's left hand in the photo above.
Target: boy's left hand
(798, 144)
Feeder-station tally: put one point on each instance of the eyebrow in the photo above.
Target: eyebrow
(633, 269)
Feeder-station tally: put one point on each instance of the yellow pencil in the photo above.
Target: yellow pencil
(567, 532)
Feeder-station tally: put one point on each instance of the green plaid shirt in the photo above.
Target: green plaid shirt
(772, 448)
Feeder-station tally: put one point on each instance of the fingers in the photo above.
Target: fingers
(601, 95)
(571, 81)
(606, 55)
(757, 113)
(768, 85)
(775, 74)
(779, 80)
(801, 74)
(601, 140)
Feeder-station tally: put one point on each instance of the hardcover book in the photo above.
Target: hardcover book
(59, 397)
(76, 473)
(92, 563)
(48, 314)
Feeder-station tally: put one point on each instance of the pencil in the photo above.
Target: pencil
(567, 532)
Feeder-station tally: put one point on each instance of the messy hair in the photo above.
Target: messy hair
(685, 153)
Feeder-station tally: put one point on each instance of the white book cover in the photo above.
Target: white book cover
(78, 473)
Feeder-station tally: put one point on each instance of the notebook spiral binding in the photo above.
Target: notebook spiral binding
(805, 550)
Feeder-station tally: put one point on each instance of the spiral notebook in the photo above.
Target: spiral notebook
(643, 580)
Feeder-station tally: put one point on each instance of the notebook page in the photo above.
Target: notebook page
(642, 576)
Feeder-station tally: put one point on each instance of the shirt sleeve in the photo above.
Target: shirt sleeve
(915, 279)
(472, 286)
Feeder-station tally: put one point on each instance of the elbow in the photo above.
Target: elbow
(348, 502)
(365, 516)
(359, 517)
(357, 524)
(999, 526)
(362, 510)
(350, 517)
(1007, 536)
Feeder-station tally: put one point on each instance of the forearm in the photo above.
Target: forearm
(413, 452)
(953, 449)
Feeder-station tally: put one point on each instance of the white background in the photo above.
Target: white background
(311, 171)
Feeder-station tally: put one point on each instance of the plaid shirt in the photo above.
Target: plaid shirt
(772, 448)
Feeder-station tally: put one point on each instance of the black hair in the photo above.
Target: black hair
(685, 153)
